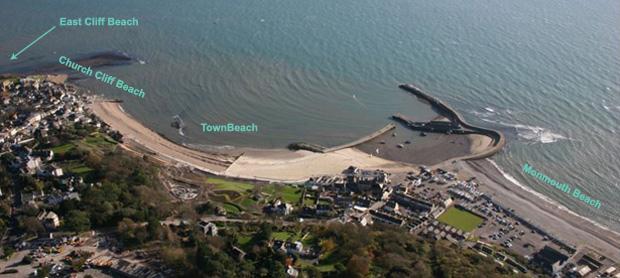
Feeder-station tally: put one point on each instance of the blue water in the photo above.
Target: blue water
(545, 72)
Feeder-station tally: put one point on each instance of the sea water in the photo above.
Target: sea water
(547, 73)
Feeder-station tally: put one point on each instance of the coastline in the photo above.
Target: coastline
(271, 165)
(498, 140)
(282, 165)
(556, 220)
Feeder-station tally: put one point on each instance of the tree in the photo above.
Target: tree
(131, 233)
(265, 232)
(31, 225)
(38, 185)
(213, 263)
(327, 245)
(5, 208)
(358, 266)
(155, 232)
(176, 258)
(77, 221)
(313, 272)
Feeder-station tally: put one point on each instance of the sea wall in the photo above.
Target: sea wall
(321, 149)
(498, 138)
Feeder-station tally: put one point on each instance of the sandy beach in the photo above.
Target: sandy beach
(562, 224)
(269, 165)
(281, 165)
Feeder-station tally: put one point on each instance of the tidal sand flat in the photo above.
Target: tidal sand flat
(428, 150)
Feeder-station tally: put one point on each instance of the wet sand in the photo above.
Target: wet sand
(270, 165)
(428, 150)
(282, 165)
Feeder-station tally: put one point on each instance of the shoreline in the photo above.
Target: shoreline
(282, 165)
(548, 215)
(298, 164)
(271, 165)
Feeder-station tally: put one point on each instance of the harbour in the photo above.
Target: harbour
(517, 71)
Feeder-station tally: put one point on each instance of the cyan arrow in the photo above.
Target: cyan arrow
(15, 55)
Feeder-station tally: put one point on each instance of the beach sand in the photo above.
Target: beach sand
(287, 166)
(275, 164)
(431, 149)
(134, 133)
(560, 223)
(270, 165)
(479, 143)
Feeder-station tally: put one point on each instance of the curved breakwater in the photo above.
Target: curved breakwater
(498, 139)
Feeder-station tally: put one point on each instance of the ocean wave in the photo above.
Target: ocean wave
(533, 133)
(547, 199)
(485, 114)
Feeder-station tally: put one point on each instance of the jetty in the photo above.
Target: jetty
(448, 127)
(322, 149)
(456, 123)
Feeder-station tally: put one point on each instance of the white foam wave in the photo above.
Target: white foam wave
(485, 114)
(533, 133)
(545, 198)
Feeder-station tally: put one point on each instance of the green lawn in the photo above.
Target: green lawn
(231, 208)
(244, 239)
(460, 219)
(283, 235)
(287, 193)
(75, 166)
(247, 202)
(326, 267)
(222, 184)
(308, 239)
(321, 267)
(81, 170)
(98, 140)
(290, 194)
(63, 148)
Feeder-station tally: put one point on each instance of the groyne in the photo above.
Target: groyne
(498, 139)
(364, 139)
(321, 149)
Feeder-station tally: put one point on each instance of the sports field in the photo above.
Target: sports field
(460, 219)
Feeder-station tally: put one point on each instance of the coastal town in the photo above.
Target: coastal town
(75, 201)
